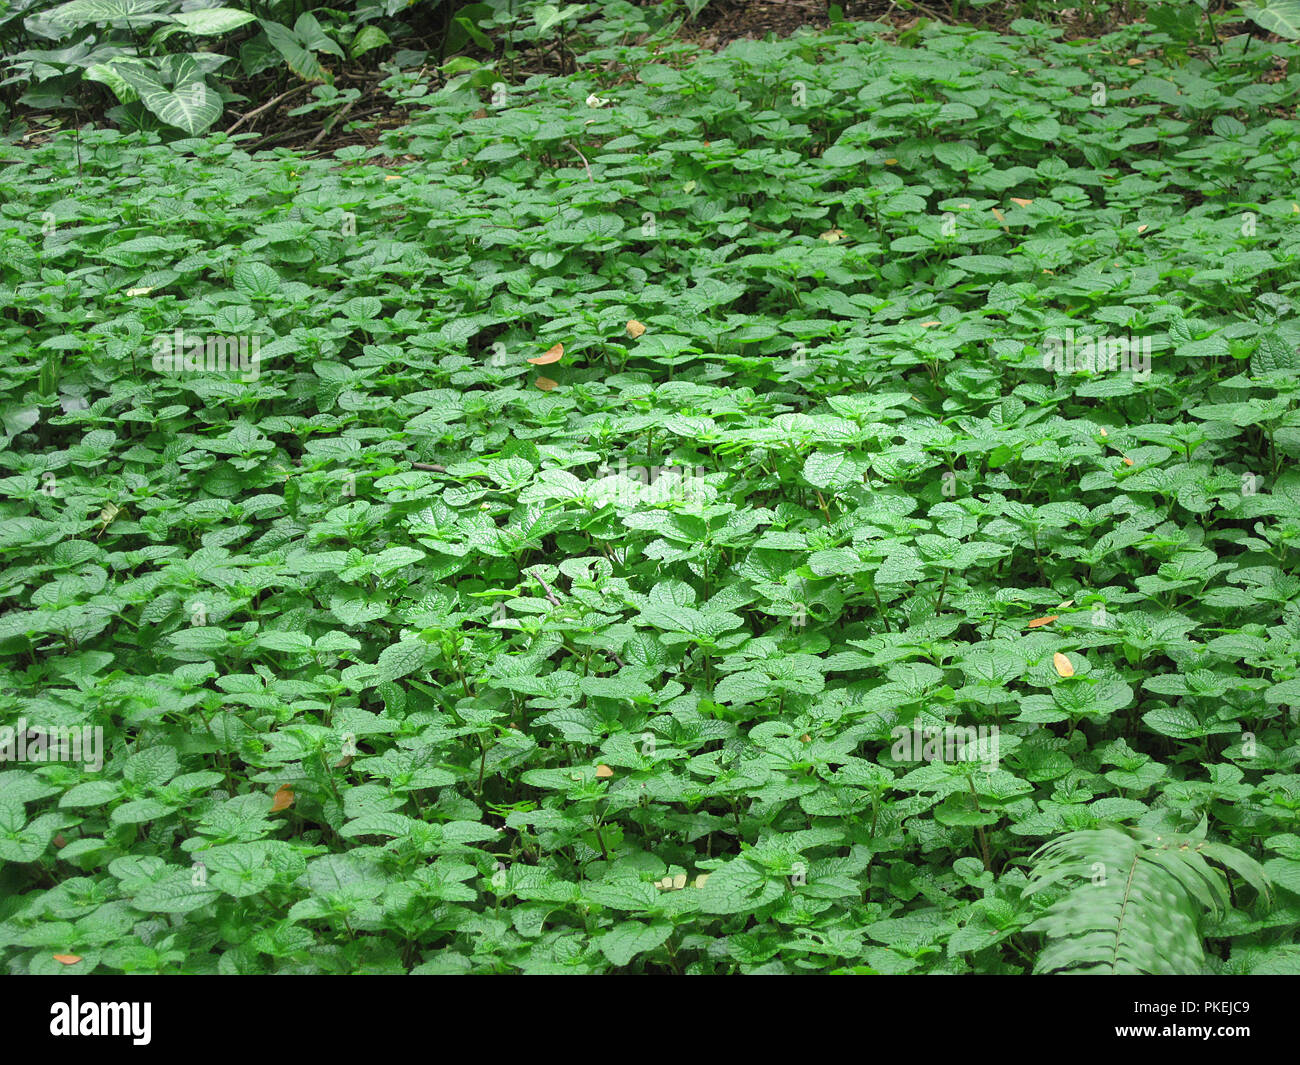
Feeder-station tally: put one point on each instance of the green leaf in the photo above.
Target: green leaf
(77, 13)
(630, 938)
(191, 107)
(298, 58)
(1277, 16)
(213, 20)
(366, 39)
(401, 659)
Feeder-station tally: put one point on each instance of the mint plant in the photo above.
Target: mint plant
(786, 510)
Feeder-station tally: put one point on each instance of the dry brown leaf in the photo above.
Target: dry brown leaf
(603, 772)
(1141, 229)
(998, 214)
(1023, 203)
(552, 354)
(1104, 433)
(891, 162)
(635, 328)
(1039, 622)
(283, 798)
(545, 383)
(1063, 665)
(1136, 61)
(805, 738)
(343, 762)
(831, 235)
(67, 959)
(926, 325)
(59, 841)
(1066, 605)
(1128, 461)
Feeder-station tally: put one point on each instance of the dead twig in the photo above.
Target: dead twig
(569, 144)
(332, 123)
(545, 587)
(276, 138)
(266, 106)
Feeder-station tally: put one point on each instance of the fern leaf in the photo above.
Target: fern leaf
(1133, 900)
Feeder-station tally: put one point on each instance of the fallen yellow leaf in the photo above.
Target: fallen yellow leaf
(1039, 622)
(67, 959)
(635, 328)
(552, 354)
(603, 772)
(283, 799)
(1023, 203)
(1063, 665)
(545, 383)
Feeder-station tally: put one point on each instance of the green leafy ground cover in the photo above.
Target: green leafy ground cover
(412, 655)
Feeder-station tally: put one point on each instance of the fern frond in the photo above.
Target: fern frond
(1136, 902)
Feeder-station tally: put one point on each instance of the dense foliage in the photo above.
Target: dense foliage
(623, 487)
(175, 66)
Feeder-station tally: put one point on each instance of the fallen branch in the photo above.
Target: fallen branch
(275, 138)
(326, 127)
(269, 104)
